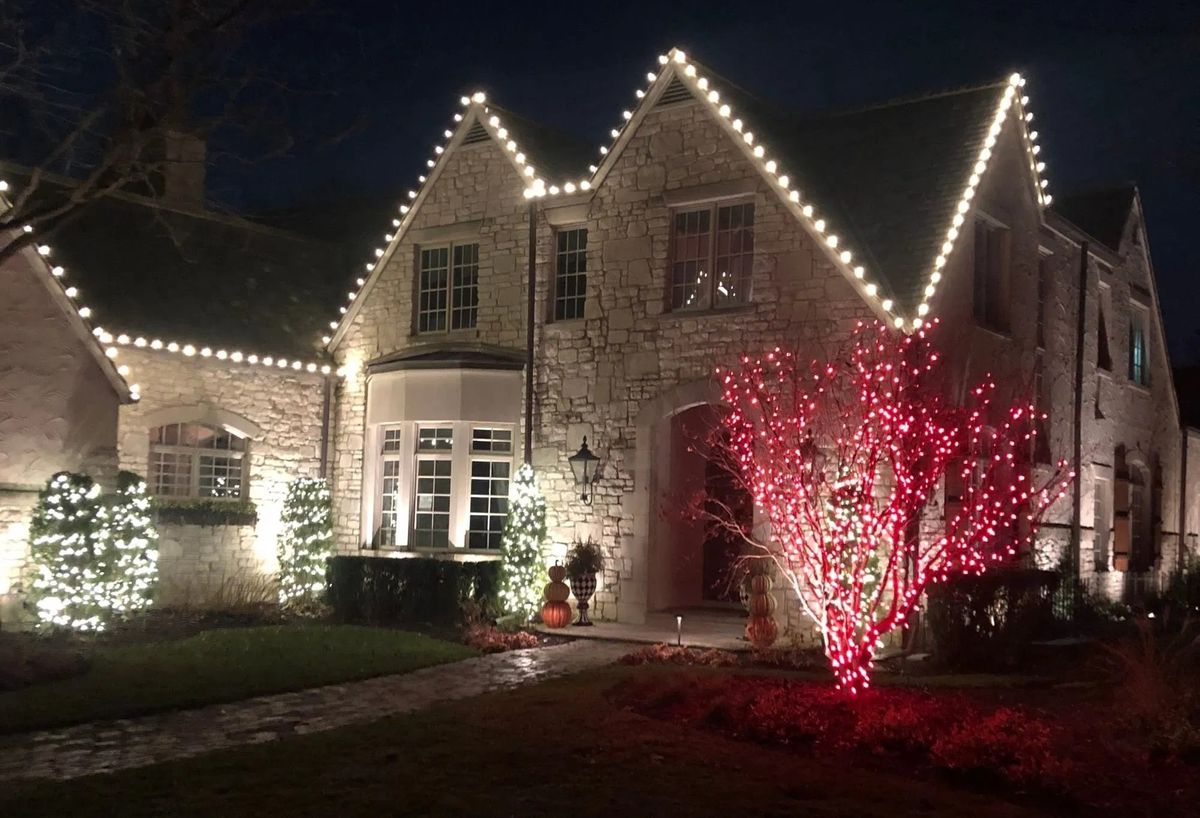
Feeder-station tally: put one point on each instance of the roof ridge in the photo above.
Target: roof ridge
(896, 102)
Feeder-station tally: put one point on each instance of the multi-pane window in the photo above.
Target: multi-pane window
(570, 274)
(431, 515)
(489, 502)
(389, 496)
(435, 439)
(491, 440)
(465, 277)
(1101, 526)
(1043, 295)
(448, 288)
(712, 267)
(1104, 308)
(991, 275)
(441, 485)
(1139, 365)
(194, 460)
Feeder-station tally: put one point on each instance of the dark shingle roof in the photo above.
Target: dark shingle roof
(886, 179)
(1102, 214)
(556, 156)
(200, 278)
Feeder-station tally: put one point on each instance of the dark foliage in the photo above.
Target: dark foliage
(205, 512)
(424, 590)
(987, 622)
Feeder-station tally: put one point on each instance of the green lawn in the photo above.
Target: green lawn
(561, 748)
(219, 666)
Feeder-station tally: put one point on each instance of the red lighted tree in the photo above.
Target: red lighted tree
(843, 458)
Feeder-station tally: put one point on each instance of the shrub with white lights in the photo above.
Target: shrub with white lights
(523, 560)
(94, 558)
(306, 543)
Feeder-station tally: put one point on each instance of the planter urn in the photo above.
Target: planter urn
(583, 586)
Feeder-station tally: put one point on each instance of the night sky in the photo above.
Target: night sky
(1115, 88)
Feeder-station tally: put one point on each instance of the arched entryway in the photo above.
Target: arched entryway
(693, 560)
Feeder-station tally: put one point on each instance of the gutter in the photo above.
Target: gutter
(530, 317)
(326, 409)
(1077, 453)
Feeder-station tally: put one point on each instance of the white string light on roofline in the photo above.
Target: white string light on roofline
(537, 187)
(72, 293)
(114, 342)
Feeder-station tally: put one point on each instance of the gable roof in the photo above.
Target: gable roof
(195, 277)
(1101, 213)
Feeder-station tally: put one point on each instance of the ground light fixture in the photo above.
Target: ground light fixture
(586, 467)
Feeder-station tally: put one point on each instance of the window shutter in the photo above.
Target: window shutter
(1000, 272)
(1122, 543)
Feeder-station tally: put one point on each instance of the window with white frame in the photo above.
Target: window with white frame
(434, 473)
(712, 256)
(570, 273)
(196, 460)
(391, 455)
(442, 485)
(447, 288)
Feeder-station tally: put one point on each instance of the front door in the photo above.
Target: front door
(723, 546)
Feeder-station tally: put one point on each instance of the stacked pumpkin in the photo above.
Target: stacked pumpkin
(556, 613)
(761, 630)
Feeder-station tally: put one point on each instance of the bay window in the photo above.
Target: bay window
(442, 485)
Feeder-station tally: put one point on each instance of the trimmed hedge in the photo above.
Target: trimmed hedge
(379, 590)
(987, 622)
(205, 511)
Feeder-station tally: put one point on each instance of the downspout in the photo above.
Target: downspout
(1180, 562)
(326, 407)
(1077, 454)
(529, 329)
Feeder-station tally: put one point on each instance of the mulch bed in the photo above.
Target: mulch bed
(1060, 747)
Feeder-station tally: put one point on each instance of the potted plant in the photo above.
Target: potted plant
(584, 561)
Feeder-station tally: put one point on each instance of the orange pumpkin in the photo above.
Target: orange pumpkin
(556, 614)
(557, 592)
(558, 572)
(760, 584)
(761, 605)
(762, 631)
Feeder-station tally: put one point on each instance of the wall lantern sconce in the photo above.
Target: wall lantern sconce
(586, 467)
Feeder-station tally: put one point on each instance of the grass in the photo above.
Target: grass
(218, 666)
(558, 748)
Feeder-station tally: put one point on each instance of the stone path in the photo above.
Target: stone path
(101, 747)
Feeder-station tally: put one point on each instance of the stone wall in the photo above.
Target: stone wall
(620, 373)
(280, 411)
(200, 564)
(58, 409)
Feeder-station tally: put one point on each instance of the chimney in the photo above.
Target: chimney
(183, 170)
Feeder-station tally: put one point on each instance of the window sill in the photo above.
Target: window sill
(996, 332)
(455, 554)
(567, 324)
(712, 312)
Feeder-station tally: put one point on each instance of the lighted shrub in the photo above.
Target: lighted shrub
(306, 543)
(93, 558)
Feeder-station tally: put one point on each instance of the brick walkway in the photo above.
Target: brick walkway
(101, 747)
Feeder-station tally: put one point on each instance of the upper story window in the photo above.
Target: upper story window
(194, 460)
(1139, 359)
(447, 287)
(1103, 355)
(570, 274)
(991, 303)
(1043, 296)
(712, 256)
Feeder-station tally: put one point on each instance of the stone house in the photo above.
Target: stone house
(711, 224)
